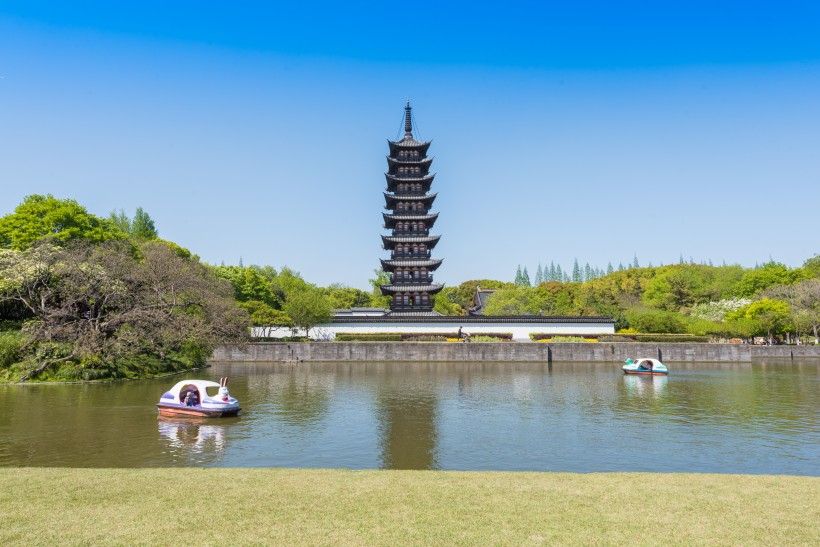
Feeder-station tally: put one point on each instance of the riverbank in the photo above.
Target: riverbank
(506, 351)
(332, 507)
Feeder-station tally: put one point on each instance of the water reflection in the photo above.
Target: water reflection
(652, 387)
(407, 429)
(579, 417)
(192, 435)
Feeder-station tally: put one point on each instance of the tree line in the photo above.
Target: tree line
(84, 297)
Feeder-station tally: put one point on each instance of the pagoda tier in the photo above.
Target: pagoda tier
(391, 265)
(409, 184)
(391, 242)
(410, 267)
(400, 202)
(394, 165)
(399, 222)
(429, 288)
(408, 149)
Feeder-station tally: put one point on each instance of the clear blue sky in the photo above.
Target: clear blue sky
(596, 130)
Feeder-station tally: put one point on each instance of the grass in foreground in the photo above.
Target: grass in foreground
(325, 507)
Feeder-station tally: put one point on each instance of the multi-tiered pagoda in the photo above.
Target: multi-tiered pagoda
(409, 200)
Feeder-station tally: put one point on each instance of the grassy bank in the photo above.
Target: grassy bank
(321, 507)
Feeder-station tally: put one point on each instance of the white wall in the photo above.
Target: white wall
(520, 331)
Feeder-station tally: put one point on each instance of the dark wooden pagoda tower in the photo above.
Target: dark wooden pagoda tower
(409, 200)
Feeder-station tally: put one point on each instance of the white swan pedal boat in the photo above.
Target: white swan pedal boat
(198, 398)
(644, 366)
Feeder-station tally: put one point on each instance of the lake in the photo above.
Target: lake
(757, 418)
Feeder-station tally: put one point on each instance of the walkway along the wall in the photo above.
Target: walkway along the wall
(540, 352)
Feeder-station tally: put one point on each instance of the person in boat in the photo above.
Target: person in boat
(188, 400)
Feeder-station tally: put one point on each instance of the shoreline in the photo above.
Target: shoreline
(613, 352)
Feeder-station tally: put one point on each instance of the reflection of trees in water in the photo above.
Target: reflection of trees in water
(298, 395)
(743, 395)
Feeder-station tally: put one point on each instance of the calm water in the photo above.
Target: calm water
(581, 417)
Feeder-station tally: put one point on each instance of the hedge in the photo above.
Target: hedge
(665, 338)
(414, 336)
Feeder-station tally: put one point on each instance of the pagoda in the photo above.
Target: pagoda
(408, 200)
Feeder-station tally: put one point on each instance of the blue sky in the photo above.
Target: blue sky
(592, 130)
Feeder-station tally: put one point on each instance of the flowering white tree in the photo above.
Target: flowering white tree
(717, 311)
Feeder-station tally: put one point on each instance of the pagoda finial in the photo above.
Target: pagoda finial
(408, 120)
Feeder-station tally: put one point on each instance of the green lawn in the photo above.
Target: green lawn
(327, 507)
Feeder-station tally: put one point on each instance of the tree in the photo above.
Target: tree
(377, 300)
(770, 274)
(519, 278)
(265, 318)
(772, 315)
(525, 278)
(804, 302)
(576, 272)
(106, 304)
(812, 266)
(514, 301)
(141, 227)
(308, 308)
(342, 297)
(539, 275)
(61, 220)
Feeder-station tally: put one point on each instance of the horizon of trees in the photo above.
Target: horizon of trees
(722, 301)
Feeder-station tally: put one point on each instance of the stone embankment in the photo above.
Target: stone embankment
(523, 352)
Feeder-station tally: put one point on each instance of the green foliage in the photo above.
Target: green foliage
(61, 220)
(772, 273)
(308, 308)
(771, 315)
(342, 297)
(11, 343)
(464, 293)
(811, 267)
(249, 285)
(655, 321)
(445, 302)
(377, 300)
(263, 315)
(141, 227)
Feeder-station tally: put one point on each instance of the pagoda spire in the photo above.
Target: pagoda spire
(408, 120)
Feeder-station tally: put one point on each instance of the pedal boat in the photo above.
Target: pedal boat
(649, 367)
(192, 398)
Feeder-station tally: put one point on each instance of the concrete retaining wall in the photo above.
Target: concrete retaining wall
(426, 351)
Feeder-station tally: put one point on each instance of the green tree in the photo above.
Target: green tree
(812, 266)
(308, 308)
(377, 299)
(772, 315)
(342, 297)
(61, 220)
(106, 306)
(525, 278)
(141, 227)
(770, 274)
(576, 272)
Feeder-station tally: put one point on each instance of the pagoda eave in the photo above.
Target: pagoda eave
(430, 241)
(389, 265)
(387, 290)
(414, 162)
